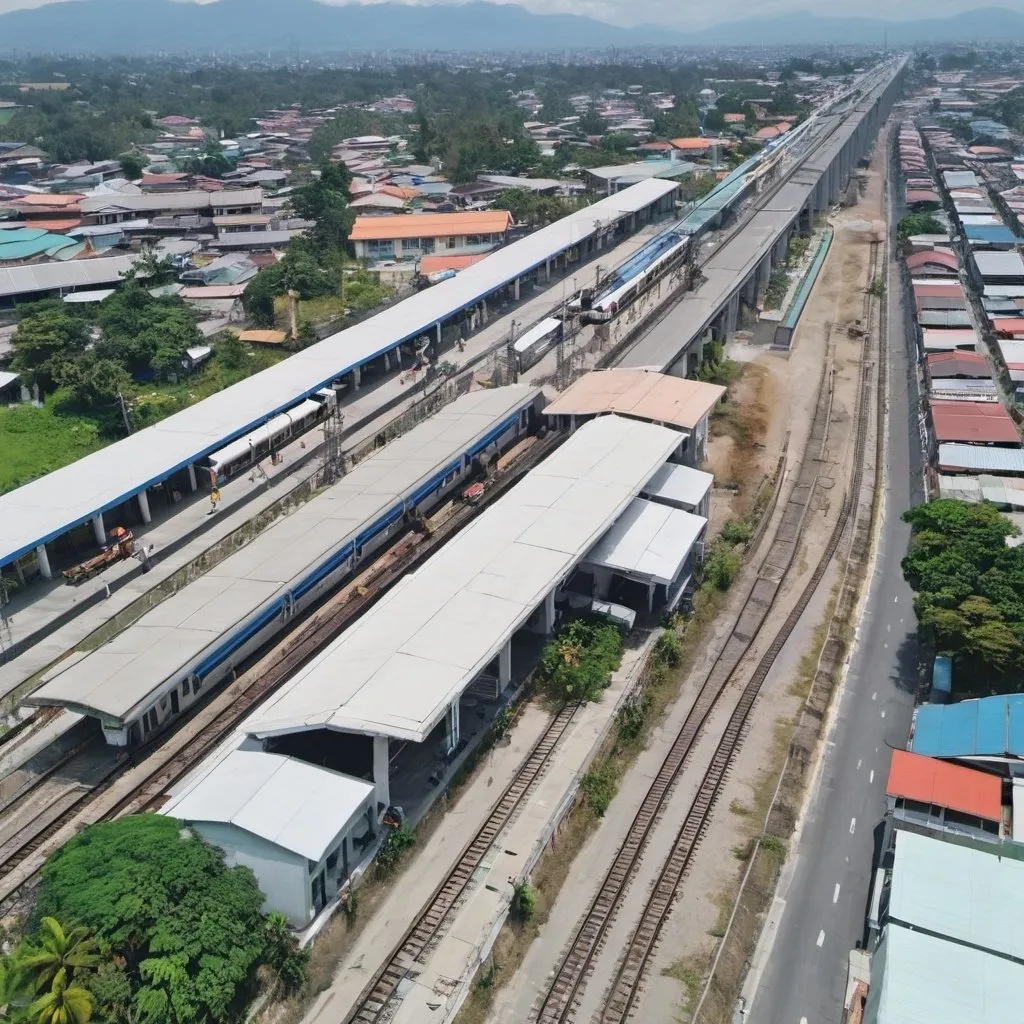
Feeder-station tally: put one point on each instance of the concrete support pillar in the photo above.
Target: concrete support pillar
(381, 773)
(515, 289)
(764, 273)
(549, 612)
(452, 726)
(650, 598)
(356, 378)
(98, 530)
(438, 325)
(483, 312)
(505, 665)
(398, 357)
(387, 362)
(732, 316)
(547, 270)
(144, 506)
(44, 562)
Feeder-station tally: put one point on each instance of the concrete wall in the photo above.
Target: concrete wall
(283, 876)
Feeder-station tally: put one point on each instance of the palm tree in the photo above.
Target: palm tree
(57, 955)
(64, 1003)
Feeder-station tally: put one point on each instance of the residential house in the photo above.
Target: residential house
(410, 236)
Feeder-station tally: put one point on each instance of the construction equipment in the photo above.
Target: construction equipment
(121, 545)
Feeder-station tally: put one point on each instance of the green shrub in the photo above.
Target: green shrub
(721, 565)
(598, 787)
(668, 650)
(524, 902)
(736, 531)
(633, 717)
(393, 848)
(578, 664)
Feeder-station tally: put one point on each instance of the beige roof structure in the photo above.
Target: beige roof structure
(639, 394)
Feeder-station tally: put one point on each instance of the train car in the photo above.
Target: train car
(534, 343)
(613, 300)
(151, 674)
(244, 452)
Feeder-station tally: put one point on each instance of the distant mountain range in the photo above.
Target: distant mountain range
(258, 26)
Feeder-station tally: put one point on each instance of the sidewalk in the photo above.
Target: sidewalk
(63, 616)
(444, 981)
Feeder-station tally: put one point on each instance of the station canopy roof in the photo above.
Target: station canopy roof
(396, 670)
(45, 508)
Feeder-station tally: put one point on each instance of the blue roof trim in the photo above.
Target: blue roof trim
(989, 727)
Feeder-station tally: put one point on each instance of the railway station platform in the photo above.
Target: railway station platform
(47, 619)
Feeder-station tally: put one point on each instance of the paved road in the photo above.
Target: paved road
(804, 979)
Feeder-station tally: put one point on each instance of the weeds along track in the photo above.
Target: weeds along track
(50, 812)
(375, 998)
(621, 997)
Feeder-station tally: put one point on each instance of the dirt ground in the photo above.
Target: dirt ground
(699, 918)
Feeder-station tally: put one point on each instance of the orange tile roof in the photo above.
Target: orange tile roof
(928, 780)
(55, 224)
(692, 144)
(1013, 325)
(431, 225)
(735, 118)
(46, 199)
(435, 264)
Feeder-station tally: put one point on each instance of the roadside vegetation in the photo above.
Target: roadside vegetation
(138, 921)
(969, 592)
(578, 664)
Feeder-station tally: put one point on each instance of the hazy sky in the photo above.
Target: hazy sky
(698, 13)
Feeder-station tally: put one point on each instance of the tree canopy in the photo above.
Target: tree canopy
(969, 591)
(182, 934)
(918, 224)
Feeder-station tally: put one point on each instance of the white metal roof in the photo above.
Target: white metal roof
(535, 333)
(45, 277)
(127, 673)
(398, 668)
(193, 199)
(919, 979)
(648, 540)
(297, 806)
(677, 485)
(960, 179)
(981, 458)
(999, 265)
(966, 895)
(48, 507)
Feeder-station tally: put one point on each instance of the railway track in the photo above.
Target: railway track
(560, 1000)
(183, 749)
(429, 924)
(621, 996)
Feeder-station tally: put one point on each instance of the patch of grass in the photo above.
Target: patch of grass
(34, 442)
(739, 808)
(689, 972)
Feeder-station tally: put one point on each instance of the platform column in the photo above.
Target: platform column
(381, 771)
(515, 288)
(98, 531)
(356, 377)
(192, 476)
(452, 726)
(387, 363)
(547, 270)
(144, 506)
(650, 598)
(505, 665)
(549, 612)
(44, 562)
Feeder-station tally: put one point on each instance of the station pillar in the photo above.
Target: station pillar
(547, 270)
(381, 769)
(144, 506)
(356, 377)
(549, 612)
(438, 336)
(452, 726)
(387, 362)
(98, 530)
(505, 665)
(515, 288)
(44, 562)
(192, 476)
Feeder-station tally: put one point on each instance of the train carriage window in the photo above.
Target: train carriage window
(524, 419)
(197, 685)
(184, 688)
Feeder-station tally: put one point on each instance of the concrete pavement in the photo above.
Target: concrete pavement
(824, 894)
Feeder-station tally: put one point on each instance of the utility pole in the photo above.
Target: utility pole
(124, 413)
(334, 456)
(513, 372)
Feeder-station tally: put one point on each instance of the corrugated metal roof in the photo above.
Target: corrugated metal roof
(999, 266)
(45, 277)
(975, 422)
(918, 261)
(960, 179)
(939, 340)
(917, 978)
(958, 364)
(928, 780)
(258, 792)
(980, 459)
(46, 508)
(645, 394)
(988, 727)
(966, 895)
(677, 485)
(944, 318)
(649, 540)
(431, 225)
(396, 670)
